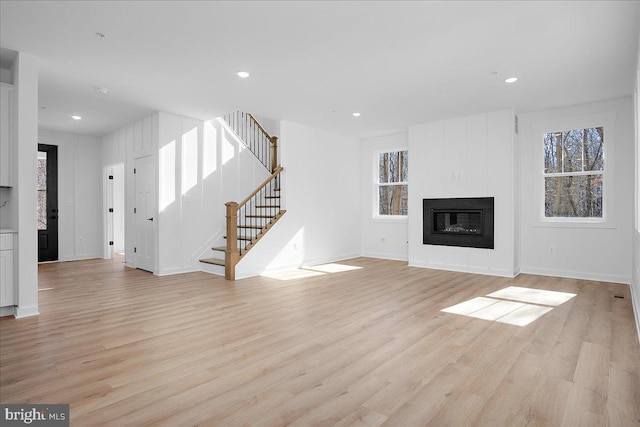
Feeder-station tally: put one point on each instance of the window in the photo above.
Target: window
(574, 173)
(392, 183)
(41, 177)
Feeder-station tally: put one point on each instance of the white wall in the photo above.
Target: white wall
(580, 252)
(79, 194)
(381, 238)
(321, 192)
(202, 165)
(118, 207)
(470, 156)
(5, 76)
(635, 280)
(25, 72)
(138, 139)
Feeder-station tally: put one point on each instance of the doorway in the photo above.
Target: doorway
(47, 202)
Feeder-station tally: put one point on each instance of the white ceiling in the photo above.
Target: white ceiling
(398, 63)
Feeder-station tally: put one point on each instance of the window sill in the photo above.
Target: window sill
(574, 223)
(401, 219)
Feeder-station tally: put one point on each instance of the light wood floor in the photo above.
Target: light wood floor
(364, 347)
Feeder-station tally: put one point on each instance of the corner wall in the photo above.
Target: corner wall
(470, 156)
(321, 193)
(26, 83)
(635, 280)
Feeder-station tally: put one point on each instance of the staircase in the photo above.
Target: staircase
(248, 221)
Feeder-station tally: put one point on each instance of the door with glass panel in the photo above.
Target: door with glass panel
(47, 202)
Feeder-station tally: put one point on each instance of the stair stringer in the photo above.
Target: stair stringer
(206, 252)
(251, 170)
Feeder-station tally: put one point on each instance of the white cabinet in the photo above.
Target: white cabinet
(7, 287)
(6, 135)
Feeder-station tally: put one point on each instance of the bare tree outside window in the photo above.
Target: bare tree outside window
(573, 173)
(393, 179)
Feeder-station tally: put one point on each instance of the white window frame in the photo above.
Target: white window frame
(376, 185)
(605, 120)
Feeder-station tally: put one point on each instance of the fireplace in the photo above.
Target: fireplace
(464, 222)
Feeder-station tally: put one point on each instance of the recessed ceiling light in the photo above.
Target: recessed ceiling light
(511, 80)
(76, 117)
(355, 114)
(242, 74)
(101, 89)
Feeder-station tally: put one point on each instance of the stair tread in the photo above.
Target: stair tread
(214, 261)
(268, 206)
(219, 248)
(252, 227)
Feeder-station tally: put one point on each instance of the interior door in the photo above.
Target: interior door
(144, 250)
(47, 188)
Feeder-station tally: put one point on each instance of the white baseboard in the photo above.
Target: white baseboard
(392, 257)
(8, 311)
(176, 270)
(466, 269)
(80, 257)
(319, 261)
(29, 311)
(577, 275)
(635, 303)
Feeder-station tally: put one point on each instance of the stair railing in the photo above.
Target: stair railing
(255, 137)
(249, 220)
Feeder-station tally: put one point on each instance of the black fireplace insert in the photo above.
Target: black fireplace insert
(466, 222)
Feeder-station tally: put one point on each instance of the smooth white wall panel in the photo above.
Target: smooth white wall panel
(25, 73)
(464, 157)
(321, 192)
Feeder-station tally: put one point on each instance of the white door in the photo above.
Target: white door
(144, 214)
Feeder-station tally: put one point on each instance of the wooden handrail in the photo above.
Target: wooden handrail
(264, 184)
(255, 138)
(259, 125)
(272, 139)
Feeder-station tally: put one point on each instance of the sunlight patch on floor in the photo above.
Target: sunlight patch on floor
(333, 268)
(533, 296)
(513, 305)
(316, 270)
